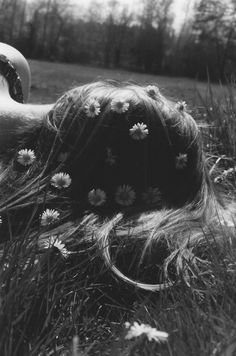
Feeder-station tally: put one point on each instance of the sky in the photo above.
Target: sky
(181, 8)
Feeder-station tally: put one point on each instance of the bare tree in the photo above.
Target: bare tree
(116, 26)
(155, 31)
(215, 24)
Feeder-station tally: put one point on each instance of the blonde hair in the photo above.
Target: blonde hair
(162, 234)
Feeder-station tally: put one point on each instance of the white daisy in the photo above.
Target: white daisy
(111, 159)
(181, 106)
(92, 107)
(139, 131)
(152, 91)
(181, 161)
(119, 105)
(137, 330)
(97, 197)
(125, 195)
(53, 241)
(61, 180)
(152, 196)
(49, 216)
(26, 157)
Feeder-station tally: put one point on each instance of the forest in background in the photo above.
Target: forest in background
(113, 37)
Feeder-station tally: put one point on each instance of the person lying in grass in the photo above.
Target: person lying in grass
(111, 165)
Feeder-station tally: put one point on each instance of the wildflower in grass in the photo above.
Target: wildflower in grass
(119, 105)
(152, 196)
(227, 174)
(92, 108)
(181, 106)
(49, 216)
(26, 157)
(139, 131)
(53, 241)
(61, 180)
(181, 161)
(97, 197)
(152, 91)
(137, 330)
(111, 159)
(125, 195)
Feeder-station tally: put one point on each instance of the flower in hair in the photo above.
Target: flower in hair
(26, 157)
(53, 241)
(61, 180)
(111, 159)
(181, 161)
(152, 196)
(152, 91)
(97, 197)
(181, 105)
(119, 105)
(125, 195)
(49, 216)
(137, 330)
(139, 131)
(92, 108)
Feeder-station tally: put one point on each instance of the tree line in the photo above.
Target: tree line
(146, 40)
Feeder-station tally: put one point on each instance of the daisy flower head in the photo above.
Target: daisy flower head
(137, 330)
(61, 180)
(26, 157)
(125, 195)
(97, 197)
(181, 160)
(139, 131)
(49, 216)
(53, 241)
(92, 108)
(152, 196)
(119, 106)
(181, 106)
(152, 91)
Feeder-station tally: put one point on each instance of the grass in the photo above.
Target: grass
(47, 300)
(51, 80)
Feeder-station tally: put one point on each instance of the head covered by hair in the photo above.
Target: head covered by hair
(121, 164)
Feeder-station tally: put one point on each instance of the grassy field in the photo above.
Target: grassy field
(50, 80)
(48, 300)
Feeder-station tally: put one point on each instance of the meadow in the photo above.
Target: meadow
(74, 309)
(50, 80)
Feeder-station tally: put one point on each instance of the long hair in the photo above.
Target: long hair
(124, 169)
